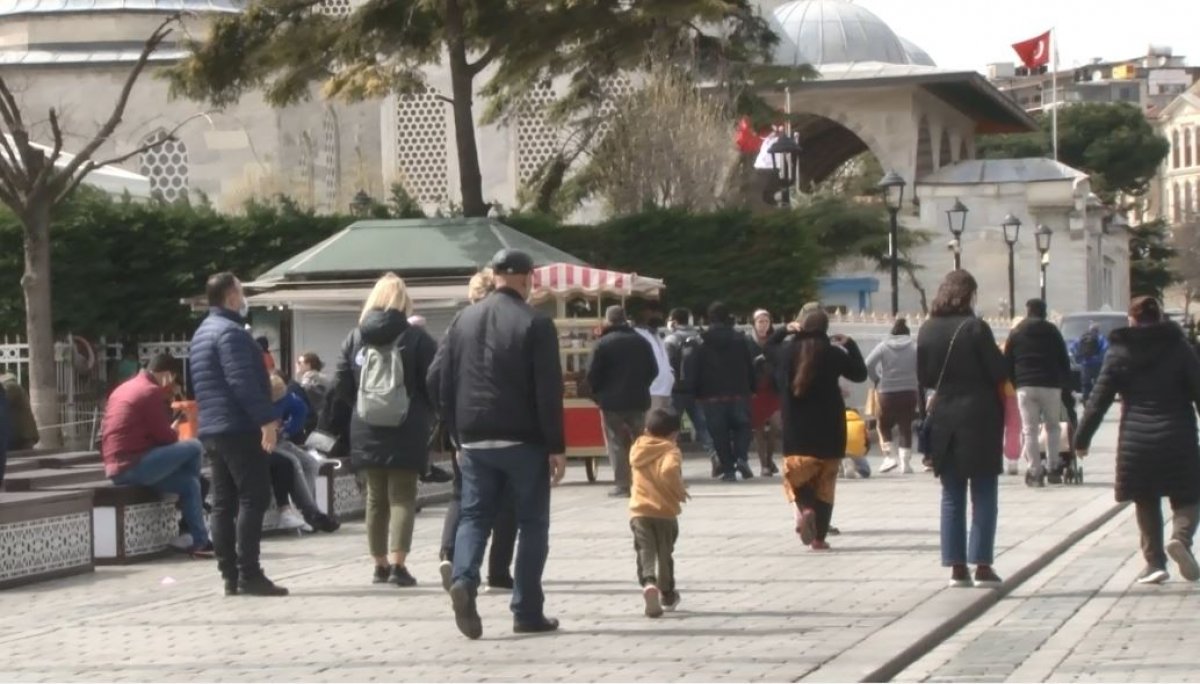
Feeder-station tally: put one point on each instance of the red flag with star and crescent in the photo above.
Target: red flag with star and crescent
(1034, 52)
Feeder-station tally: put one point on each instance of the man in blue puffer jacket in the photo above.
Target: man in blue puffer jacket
(238, 427)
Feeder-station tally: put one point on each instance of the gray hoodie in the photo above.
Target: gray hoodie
(893, 364)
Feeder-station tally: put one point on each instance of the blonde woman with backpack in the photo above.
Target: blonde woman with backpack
(381, 373)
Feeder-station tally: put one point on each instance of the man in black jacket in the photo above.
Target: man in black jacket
(497, 384)
(622, 370)
(1039, 367)
(719, 372)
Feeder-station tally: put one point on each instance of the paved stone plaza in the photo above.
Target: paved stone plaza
(756, 605)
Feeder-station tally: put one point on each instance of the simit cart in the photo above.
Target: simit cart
(584, 291)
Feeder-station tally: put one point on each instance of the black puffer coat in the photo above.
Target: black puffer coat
(967, 422)
(1158, 377)
(406, 446)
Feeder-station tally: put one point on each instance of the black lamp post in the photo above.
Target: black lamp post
(785, 159)
(361, 204)
(956, 218)
(1012, 230)
(892, 186)
(1043, 236)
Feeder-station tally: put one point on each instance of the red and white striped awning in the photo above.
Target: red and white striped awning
(556, 280)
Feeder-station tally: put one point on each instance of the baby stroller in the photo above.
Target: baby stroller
(1069, 470)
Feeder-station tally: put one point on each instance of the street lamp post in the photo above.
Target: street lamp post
(892, 186)
(956, 218)
(361, 204)
(1012, 230)
(1043, 236)
(785, 159)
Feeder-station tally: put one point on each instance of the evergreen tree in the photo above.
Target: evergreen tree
(285, 47)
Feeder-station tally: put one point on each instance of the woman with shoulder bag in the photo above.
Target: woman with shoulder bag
(958, 359)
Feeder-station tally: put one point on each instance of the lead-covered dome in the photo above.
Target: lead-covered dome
(820, 32)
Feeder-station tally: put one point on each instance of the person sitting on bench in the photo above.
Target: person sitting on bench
(140, 447)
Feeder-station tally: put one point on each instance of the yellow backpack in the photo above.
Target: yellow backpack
(857, 443)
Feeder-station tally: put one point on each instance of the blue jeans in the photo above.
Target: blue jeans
(173, 469)
(981, 549)
(729, 426)
(485, 472)
(686, 403)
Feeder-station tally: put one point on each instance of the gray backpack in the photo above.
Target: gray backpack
(382, 394)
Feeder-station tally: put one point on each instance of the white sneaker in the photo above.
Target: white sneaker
(905, 461)
(289, 519)
(889, 464)
(1153, 575)
(182, 543)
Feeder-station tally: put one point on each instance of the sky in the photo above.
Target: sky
(970, 34)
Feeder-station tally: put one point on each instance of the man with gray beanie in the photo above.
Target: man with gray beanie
(622, 370)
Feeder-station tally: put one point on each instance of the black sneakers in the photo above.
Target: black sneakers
(504, 582)
(258, 586)
(381, 574)
(985, 576)
(323, 523)
(466, 615)
(960, 576)
(401, 577)
(744, 470)
(540, 626)
(437, 475)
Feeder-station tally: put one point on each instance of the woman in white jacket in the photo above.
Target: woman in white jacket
(892, 366)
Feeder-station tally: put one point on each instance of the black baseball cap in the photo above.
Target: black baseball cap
(512, 262)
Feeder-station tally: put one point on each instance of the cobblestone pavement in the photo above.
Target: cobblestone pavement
(1083, 619)
(756, 605)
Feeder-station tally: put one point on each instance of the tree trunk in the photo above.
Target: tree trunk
(462, 86)
(39, 328)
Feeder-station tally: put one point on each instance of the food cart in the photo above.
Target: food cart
(567, 284)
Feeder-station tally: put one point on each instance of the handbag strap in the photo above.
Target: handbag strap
(946, 361)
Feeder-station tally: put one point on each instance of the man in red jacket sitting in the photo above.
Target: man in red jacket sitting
(140, 446)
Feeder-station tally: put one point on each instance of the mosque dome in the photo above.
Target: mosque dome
(820, 32)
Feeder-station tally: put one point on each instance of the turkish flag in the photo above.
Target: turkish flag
(1034, 52)
(748, 142)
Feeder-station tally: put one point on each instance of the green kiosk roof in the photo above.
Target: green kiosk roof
(412, 247)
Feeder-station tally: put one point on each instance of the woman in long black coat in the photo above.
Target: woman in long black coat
(809, 365)
(958, 351)
(1156, 372)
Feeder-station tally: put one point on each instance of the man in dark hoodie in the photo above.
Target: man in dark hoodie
(1039, 367)
(719, 372)
(622, 370)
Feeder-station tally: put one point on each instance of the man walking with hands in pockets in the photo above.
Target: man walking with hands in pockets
(497, 384)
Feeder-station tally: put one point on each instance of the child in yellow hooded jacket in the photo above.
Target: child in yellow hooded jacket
(657, 493)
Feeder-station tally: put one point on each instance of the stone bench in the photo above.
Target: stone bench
(39, 479)
(130, 523)
(44, 535)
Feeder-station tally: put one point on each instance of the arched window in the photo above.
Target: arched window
(924, 149)
(963, 153)
(421, 147)
(1187, 203)
(1174, 149)
(1187, 147)
(331, 161)
(166, 165)
(944, 153)
(1176, 204)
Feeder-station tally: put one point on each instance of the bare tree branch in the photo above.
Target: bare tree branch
(67, 177)
(484, 60)
(91, 165)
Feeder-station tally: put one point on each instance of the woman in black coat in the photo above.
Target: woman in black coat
(1156, 372)
(957, 358)
(391, 458)
(809, 364)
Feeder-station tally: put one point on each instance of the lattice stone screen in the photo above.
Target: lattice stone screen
(331, 167)
(421, 146)
(336, 8)
(166, 166)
